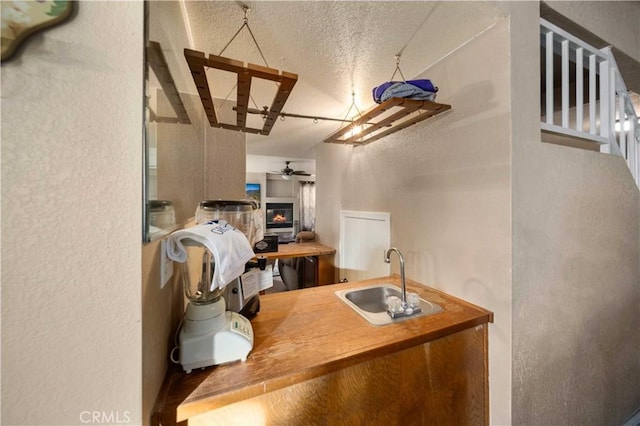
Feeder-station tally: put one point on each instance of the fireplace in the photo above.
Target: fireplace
(279, 215)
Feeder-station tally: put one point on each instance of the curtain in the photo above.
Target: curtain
(307, 206)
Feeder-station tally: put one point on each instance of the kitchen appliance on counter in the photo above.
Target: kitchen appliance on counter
(211, 335)
(244, 215)
(215, 254)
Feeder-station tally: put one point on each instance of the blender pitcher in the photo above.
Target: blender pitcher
(199, 292)
(209, 333)
(246, 217)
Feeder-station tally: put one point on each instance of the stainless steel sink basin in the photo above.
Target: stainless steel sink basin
(372, 299)
(371, 303)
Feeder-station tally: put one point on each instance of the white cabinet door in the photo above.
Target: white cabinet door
(364, 239)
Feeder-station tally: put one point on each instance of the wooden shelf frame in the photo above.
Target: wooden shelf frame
(245, 73)
(409, 112)
(158, 64)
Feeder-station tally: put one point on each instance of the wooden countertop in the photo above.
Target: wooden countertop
(299, 335)
(290, 250)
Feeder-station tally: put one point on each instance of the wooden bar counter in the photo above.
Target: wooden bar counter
(316, 361)
(288, 251)
(324, 271)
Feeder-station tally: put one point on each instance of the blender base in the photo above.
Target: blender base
(230, 339)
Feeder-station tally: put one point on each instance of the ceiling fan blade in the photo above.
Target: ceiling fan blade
(301, 173)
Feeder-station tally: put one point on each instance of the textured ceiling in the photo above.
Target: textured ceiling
(335, 48)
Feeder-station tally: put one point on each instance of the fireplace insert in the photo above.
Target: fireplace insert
(279, 215)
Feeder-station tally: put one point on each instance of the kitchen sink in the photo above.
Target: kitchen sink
(371, 303)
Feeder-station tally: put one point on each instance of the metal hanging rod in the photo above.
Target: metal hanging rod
(315, 118)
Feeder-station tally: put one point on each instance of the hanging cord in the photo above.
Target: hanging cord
(398, 69)
(245, 24)
(399, 54)
(250, 97)
(176, 347)
(353, 105)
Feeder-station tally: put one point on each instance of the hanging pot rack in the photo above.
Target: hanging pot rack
(401, 113)
(386, 118)
(197, 62)
(379, 121)
(245, 73)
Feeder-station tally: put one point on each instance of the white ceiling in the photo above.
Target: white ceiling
(335, 48)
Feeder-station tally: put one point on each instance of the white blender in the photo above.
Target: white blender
(211, 335)
(247, 217)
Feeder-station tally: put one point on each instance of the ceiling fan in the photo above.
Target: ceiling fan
(287, 172)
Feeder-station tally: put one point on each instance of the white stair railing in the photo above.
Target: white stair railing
(604, 114)
(626, 128)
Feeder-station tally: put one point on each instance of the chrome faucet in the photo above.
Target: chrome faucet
(387, 259)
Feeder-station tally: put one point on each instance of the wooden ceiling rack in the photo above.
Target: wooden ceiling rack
(393, 115)
(159, 65)
(245, 73)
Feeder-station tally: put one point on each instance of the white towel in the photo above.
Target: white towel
(229, 247)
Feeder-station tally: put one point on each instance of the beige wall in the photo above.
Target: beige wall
(446, 183)
(225, 158)
(180, 158)
(71, 220)
(613, 21)
(576, 295)
(576, 252)
(161, 313)
(198, 162)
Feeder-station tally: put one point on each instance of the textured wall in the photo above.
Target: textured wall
(606, 19)
(71, 220)
(576, 253)
(181, 151)
(576, 295)
(161, 313)
(225, 160)
(446, 183)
